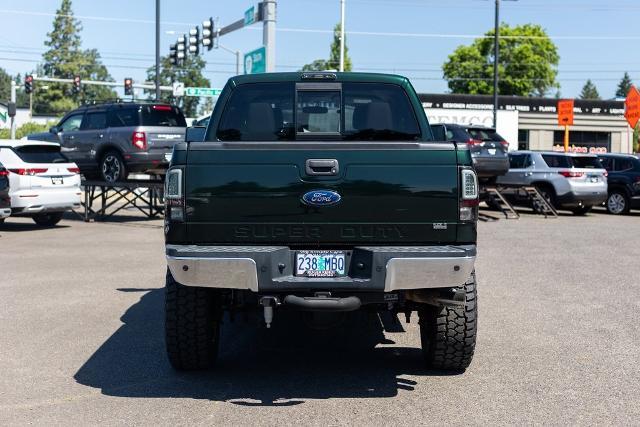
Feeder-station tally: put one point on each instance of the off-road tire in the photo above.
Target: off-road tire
(448, 333)
(192, 325)
(582, 210)
(112, 168)
(47, 219)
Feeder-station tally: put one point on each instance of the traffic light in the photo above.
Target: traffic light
(180, 49)
(28, 84)
(77, 84)
(173, 54)
(194, 41)
(207, 33)
(128, 86)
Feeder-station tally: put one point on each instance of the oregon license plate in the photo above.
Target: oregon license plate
(57, 180)
(320, 263)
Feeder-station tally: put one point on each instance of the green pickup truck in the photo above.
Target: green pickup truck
(320, 192)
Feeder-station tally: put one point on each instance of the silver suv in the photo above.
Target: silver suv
(108, 141)
(576, 182)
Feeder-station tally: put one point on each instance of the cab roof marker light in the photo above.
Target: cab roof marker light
(318, 76)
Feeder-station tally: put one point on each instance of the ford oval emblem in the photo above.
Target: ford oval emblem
(321, 198)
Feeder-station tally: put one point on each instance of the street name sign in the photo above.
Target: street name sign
(202, 91)
(250, 16)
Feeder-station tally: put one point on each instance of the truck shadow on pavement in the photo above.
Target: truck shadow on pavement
(281, 366)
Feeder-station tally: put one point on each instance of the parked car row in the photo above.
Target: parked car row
(576, 182)
(37, 181)
(108, 141)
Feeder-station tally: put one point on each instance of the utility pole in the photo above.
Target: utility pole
(496, 56)
(269, 34)
(13, 100)
(157, 50)
(235, 52)
(342, 35)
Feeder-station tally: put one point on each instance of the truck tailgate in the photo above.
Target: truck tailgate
(392, 193)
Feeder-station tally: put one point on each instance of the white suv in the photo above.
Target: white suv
(576, 182)
(42, 182)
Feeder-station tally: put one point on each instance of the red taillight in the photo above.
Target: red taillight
(571, 174)
(606, 174)
(470, 203)
(4, 172)
(27, 171)
(505, 144)
(139, 140)
(162, 107)
(472, 141)
(74, 170)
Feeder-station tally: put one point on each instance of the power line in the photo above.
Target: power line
(36, 51)
(94, 18)
(349, 33)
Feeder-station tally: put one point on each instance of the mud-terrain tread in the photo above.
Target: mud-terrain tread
(448, 333)
(192, 325)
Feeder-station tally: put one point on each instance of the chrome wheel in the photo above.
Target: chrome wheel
(616, 203)
(111, 168)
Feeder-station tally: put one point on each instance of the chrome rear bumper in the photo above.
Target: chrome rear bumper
(269, 269)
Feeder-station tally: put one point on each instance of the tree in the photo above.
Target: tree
(5, 86)
(334, 57)
(624, 86)
(528, 63)
(333, 62)
(65, 59)
(589, 91)
(26, 129)
(190, 74)
(317, 65)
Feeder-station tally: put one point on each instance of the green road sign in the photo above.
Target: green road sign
(201, 91)
(250, 16)
(255, 61)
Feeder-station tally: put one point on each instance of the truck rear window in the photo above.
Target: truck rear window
(351, 111)
(40, 154)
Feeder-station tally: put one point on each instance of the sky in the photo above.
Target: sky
(596, 39)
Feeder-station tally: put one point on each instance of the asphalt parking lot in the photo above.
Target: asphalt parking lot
(81, 338)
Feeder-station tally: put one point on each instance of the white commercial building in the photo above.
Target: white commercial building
(532, 122)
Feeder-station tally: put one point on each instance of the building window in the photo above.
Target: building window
(584, 139)
(523, 139)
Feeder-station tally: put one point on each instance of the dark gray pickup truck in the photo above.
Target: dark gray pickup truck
(320, 192)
